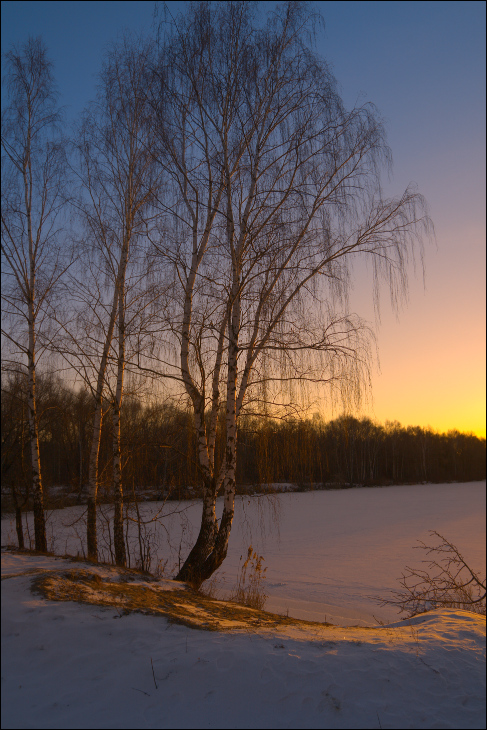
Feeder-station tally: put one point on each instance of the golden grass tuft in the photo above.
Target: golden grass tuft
(181, 605)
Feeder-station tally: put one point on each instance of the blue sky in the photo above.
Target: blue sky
(423, 65)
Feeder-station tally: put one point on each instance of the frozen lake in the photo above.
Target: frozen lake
(327, 553)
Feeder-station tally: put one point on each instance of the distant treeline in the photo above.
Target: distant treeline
(159, 448)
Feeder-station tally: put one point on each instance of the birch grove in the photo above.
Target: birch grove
(117, 187)
(225, 195)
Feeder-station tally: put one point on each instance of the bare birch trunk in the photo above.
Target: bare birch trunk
(210, 549)
(118, 538)
(220, 546)
(220, 549)
(91, 533)
(193, 565)
(18, 503)
(39, 518)
(18, 527)
(192, 571)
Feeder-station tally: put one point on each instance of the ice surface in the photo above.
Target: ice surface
(328, 553)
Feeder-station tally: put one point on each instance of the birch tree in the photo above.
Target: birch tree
(275, 191)
(118, 186)
(33, 188)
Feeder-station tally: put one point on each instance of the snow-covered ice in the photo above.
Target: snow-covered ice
(70, 665)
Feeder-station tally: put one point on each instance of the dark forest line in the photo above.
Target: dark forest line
(159, 450)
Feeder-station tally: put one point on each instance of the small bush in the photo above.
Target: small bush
(448, 582)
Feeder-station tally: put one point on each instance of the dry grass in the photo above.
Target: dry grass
(128, 593)
(250, 582)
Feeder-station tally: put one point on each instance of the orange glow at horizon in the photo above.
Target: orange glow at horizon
(428, 401)
(433, 355)
(431, 398)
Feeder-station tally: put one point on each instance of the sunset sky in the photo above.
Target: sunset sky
(423, 65)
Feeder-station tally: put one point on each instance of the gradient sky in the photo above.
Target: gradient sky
(423, 65)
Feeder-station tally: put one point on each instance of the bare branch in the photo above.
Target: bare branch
(447, 582)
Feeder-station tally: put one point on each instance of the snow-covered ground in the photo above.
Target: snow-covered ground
(70, 665)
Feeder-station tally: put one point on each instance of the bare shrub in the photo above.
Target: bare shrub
(447, 582)
(251, 575)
